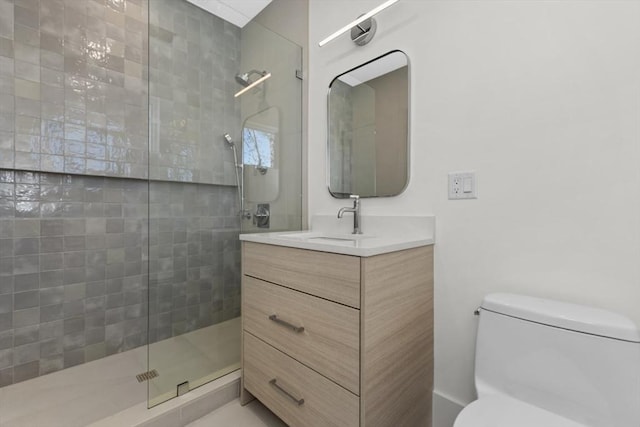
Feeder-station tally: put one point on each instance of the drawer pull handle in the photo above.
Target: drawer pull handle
(274, 383)
(287, 324)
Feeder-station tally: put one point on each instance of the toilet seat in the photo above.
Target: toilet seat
(504, 411)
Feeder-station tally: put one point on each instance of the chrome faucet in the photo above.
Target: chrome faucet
(356, 213)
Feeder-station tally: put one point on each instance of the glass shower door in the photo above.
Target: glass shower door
(271, 129)
(195, 61)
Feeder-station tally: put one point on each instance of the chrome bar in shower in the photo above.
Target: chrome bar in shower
(239, 167)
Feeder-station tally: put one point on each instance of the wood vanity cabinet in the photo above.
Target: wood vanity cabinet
(338, 340)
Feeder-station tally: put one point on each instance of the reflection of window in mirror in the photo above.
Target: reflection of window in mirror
(258, 147)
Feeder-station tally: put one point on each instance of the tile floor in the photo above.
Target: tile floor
(232, 414)
(78, 396)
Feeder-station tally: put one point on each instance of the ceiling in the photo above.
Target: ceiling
(238, 12)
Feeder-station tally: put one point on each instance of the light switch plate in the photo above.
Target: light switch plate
(462, 185)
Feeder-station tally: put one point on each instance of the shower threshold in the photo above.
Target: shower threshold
(105, 391)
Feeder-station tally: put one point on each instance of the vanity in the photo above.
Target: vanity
(337, 329)
(337, 326)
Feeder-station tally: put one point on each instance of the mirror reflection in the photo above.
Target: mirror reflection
(260, 138)
(368, 144)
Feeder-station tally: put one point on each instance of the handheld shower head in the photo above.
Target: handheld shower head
(245, 214)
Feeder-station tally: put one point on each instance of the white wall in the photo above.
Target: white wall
(542, 99)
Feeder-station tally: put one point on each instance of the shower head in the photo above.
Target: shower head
(227, 138)
(243, 78)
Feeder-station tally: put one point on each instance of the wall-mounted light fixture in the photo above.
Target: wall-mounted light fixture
(362, 29)
(252, 85)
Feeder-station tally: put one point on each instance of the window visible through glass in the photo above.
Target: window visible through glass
(258, 147)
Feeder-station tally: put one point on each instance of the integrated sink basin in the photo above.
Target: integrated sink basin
(325, 238)
(334, 241)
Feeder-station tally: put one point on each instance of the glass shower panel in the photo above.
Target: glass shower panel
(272, 127)
(196, 62)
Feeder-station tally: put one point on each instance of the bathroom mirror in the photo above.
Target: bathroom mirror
(260, 141)
(368, 129)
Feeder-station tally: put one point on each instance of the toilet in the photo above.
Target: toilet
(544, 363)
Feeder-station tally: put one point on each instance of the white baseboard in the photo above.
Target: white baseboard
(445, 410)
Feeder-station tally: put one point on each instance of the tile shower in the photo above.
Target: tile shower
(95, 258)
(68, 296)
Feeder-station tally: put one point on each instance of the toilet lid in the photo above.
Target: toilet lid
(503, 411)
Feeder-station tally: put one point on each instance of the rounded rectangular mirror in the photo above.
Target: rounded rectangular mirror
(368, 133)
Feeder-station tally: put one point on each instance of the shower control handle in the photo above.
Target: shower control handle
(295, 328)
(274, 382)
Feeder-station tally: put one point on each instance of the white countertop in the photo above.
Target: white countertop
(380, 235)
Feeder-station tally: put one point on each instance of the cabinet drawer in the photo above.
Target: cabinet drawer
(297, 394)
(331, 276)
(329, 342)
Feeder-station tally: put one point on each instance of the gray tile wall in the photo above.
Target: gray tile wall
(73, 270)
(74, 89)
(341, 117)
(74, 266)
(194, 257)
(74, 214)
(73, 86)
(193, 62)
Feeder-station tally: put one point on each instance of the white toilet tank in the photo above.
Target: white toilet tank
(579, 362)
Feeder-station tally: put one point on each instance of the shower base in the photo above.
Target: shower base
(105, 392)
